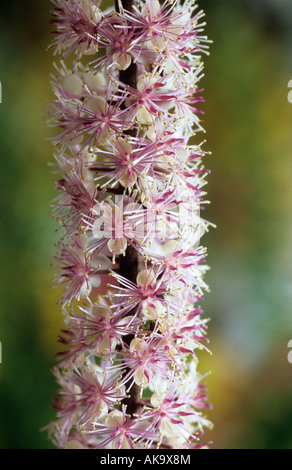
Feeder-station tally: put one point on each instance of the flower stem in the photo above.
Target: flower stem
(128, 263)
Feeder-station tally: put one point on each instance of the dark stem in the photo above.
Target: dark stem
(128, 263)
(126, 4)
(129, 76)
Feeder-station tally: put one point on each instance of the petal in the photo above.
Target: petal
(95, 81)
(95, 280)
(144, 116)
(123, 145)
(145, 277)
(127, 180)
(136, 344)
(101, 312)
(123, 61)
(73, 85)
(169, 248)
(140, 377)
(115, 417)
(117, 245)
(100, 261)
(73, 444)
(153, 10)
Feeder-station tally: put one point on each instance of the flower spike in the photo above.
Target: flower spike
(130, 186)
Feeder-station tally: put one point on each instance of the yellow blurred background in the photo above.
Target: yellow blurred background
(248, 120)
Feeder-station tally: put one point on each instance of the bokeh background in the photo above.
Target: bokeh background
(248, 120)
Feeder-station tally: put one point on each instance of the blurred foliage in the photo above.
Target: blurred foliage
(248, 122)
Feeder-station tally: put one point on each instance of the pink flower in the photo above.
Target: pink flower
(77, 195)
(90, 121)
(79, 271)
(119, 432)
(96, 330)
(76, 26)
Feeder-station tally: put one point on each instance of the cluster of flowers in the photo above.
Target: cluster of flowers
(129, 260)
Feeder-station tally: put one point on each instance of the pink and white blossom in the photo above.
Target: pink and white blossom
(130, 186)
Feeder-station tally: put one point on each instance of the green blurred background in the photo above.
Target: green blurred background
(248, 120)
